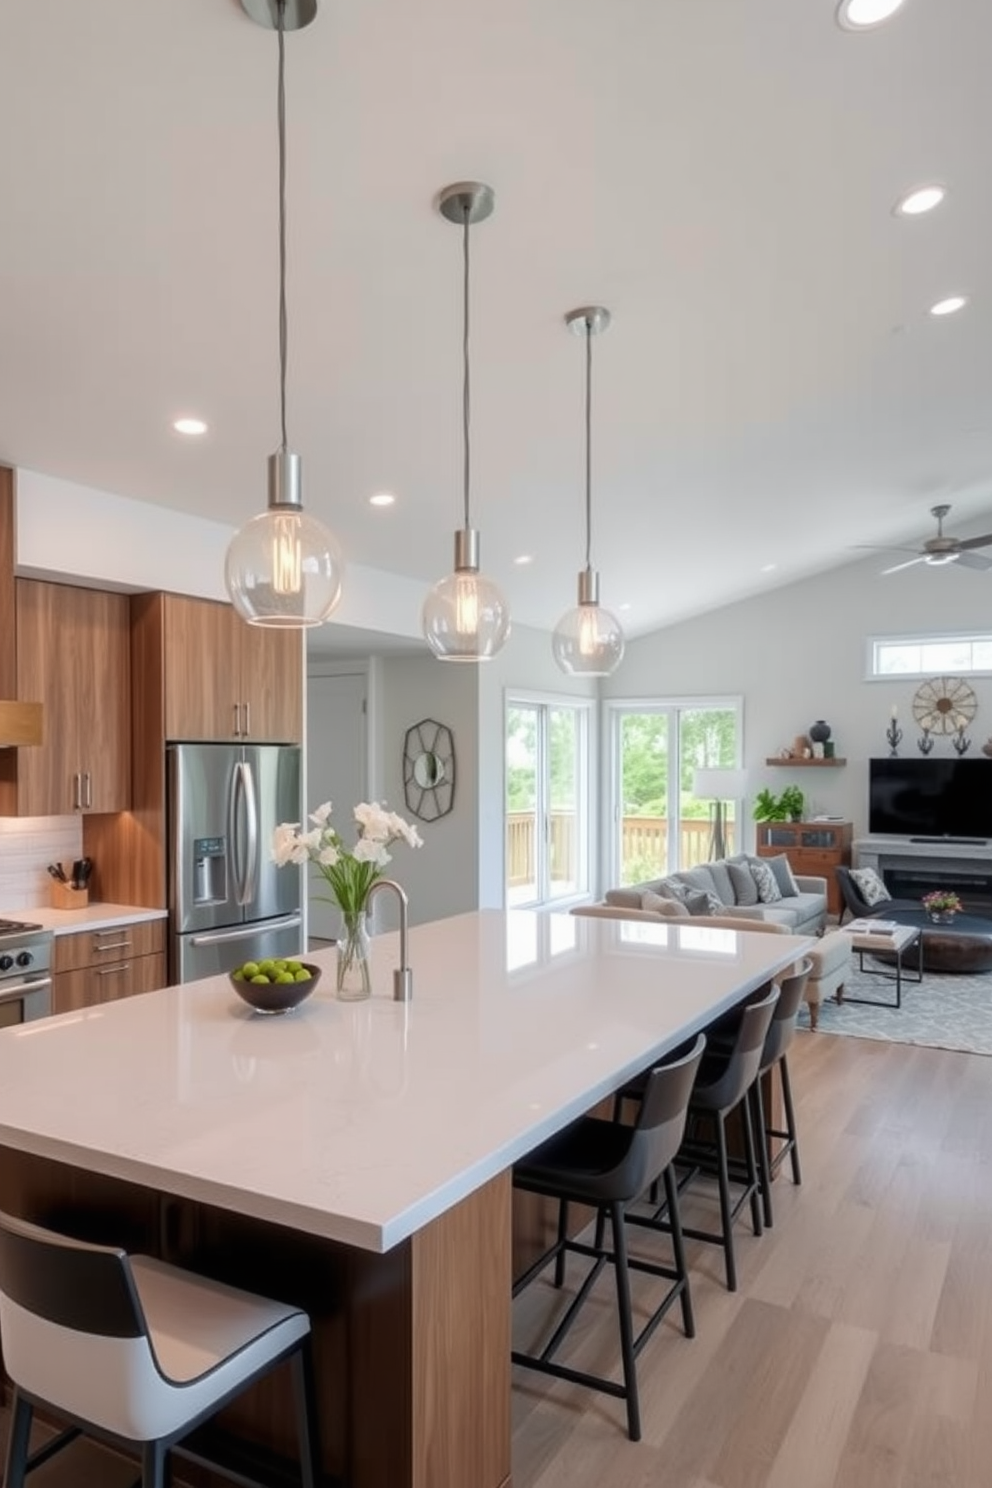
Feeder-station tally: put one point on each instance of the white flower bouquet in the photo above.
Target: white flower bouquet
(349, 871)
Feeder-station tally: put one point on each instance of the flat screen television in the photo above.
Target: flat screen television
(930, 797)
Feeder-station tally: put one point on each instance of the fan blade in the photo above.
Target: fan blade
(973, 560)
(883, 548)
(899, 566)
(975, 542)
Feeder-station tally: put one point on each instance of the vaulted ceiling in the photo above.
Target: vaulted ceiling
(720, 173)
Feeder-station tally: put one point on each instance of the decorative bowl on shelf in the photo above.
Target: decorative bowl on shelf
(273, 995)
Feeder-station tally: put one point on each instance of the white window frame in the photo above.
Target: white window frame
(612, 708)
(923, 638)
(586, 834)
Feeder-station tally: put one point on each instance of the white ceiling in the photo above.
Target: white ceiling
(719, 173)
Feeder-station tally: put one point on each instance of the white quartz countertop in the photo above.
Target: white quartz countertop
(93, 917)
(361, 1122)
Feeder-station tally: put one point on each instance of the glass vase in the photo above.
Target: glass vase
(354, 957)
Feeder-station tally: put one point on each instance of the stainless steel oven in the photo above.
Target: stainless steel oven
(25, 972)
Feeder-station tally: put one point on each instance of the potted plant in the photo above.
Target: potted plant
(941, 906)
(786, 807)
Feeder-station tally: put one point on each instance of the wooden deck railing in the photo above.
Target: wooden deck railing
(644, 848)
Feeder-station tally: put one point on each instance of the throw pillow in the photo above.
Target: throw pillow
(782, 869)
(745, 888)
(698, 902)
(670, 908)
(722, 884)
(697, 878)
(764, 878)
(870, 886)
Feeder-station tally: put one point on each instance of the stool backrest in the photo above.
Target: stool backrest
(744, 1060)
(76, 1285)
(783, 1025)
(657, 1133)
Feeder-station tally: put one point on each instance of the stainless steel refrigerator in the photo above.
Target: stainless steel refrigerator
(228, 902)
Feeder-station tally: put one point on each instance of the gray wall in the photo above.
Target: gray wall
(799, 653)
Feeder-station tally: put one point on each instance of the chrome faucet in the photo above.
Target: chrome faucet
(402, 976)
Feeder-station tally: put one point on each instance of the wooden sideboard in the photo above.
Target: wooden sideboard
(814, 848)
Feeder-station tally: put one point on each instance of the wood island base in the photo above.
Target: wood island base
(412, 1347)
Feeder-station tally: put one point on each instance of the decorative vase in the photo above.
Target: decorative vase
(819, 731)
(941, 916)
(354, 980)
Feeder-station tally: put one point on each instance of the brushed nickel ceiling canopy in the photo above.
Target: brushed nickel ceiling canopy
(297, 13)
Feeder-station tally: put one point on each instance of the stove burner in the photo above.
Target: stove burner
(16, 927)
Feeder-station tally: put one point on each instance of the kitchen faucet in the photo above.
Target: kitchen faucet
(402, 976)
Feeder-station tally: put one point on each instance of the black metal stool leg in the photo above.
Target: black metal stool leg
(17, 1442)
(678, 1248)
(726, 1211)
(751, 1166)
(626, 1322)
(153, 1455)
(305, 1404)
(790, 1120)
(761, 1150)
(562, 1234)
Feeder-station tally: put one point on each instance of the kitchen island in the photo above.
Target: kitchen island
(355, 1158)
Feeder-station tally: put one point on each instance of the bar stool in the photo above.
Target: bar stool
(722, 1087)
(608, 1165)
(133, 1351)
(781, 1032)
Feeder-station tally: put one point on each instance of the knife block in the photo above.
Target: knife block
(64, 896)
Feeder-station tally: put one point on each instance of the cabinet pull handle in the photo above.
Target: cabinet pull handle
(77, 803)
(89, 789)
(112, 945)
(113, 970)
(247, 708)
(237, 720)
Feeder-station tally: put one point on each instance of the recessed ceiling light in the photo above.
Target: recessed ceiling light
(382, 498)
(923, 199)
(860, 15)
(769, 567)
(950, 305)
(524, 559)
(189, 426)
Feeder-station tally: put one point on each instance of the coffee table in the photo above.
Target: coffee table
(888, 946)
(964, 945)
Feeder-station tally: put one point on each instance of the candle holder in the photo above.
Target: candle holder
(959, 742)
(924, 743)
(894, 735)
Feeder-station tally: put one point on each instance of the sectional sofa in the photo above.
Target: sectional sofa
(742, 886)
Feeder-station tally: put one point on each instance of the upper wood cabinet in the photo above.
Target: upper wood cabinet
(73, 656)
(225, 680)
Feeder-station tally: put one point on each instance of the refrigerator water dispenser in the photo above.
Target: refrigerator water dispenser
(209, 870)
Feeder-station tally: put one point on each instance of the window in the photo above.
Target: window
(659, 825)
(547, 789)
(922, 656)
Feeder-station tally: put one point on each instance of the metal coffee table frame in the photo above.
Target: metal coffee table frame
(896, 943)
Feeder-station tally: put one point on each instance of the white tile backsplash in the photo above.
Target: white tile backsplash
(27, 845)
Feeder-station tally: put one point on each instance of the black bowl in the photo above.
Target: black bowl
(276, 997)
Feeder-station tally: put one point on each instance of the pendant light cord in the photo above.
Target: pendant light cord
(466, 386)
(281, 114)
(588, 443)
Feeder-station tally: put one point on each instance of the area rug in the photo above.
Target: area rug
(942, 1011)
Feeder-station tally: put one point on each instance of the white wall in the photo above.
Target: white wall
(799, 653)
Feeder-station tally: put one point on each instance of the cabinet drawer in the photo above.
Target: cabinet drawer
(101, 947)
(89, 986)
(818, 864)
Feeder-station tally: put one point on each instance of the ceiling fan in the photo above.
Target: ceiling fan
(940, 549)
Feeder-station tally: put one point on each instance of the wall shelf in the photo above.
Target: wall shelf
(804, 764)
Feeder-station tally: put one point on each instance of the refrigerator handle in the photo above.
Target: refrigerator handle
(221, 937)
(237, 845)
(251, 812)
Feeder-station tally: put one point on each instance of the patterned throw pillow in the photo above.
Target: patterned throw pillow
(782, 869)
(870, 886)
(745, 888)
(764, 879)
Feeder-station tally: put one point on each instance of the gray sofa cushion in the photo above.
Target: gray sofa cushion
(699, 877)
(671, 909)
(782, 869)
(722, 883)
(745, 888)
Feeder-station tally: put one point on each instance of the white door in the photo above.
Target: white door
(337, 771)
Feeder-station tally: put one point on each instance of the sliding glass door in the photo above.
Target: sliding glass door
(547, 771)
(656, 749)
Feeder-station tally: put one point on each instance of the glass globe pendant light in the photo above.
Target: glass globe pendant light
(465, 617)
(588, 641)
(283, 569)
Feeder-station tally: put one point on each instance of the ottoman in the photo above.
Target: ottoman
(831, 958)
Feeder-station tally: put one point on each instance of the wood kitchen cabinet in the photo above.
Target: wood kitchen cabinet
(226, 680)
(95, 966)
(73, 656)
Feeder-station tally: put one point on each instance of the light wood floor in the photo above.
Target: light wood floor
(858, 1350)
